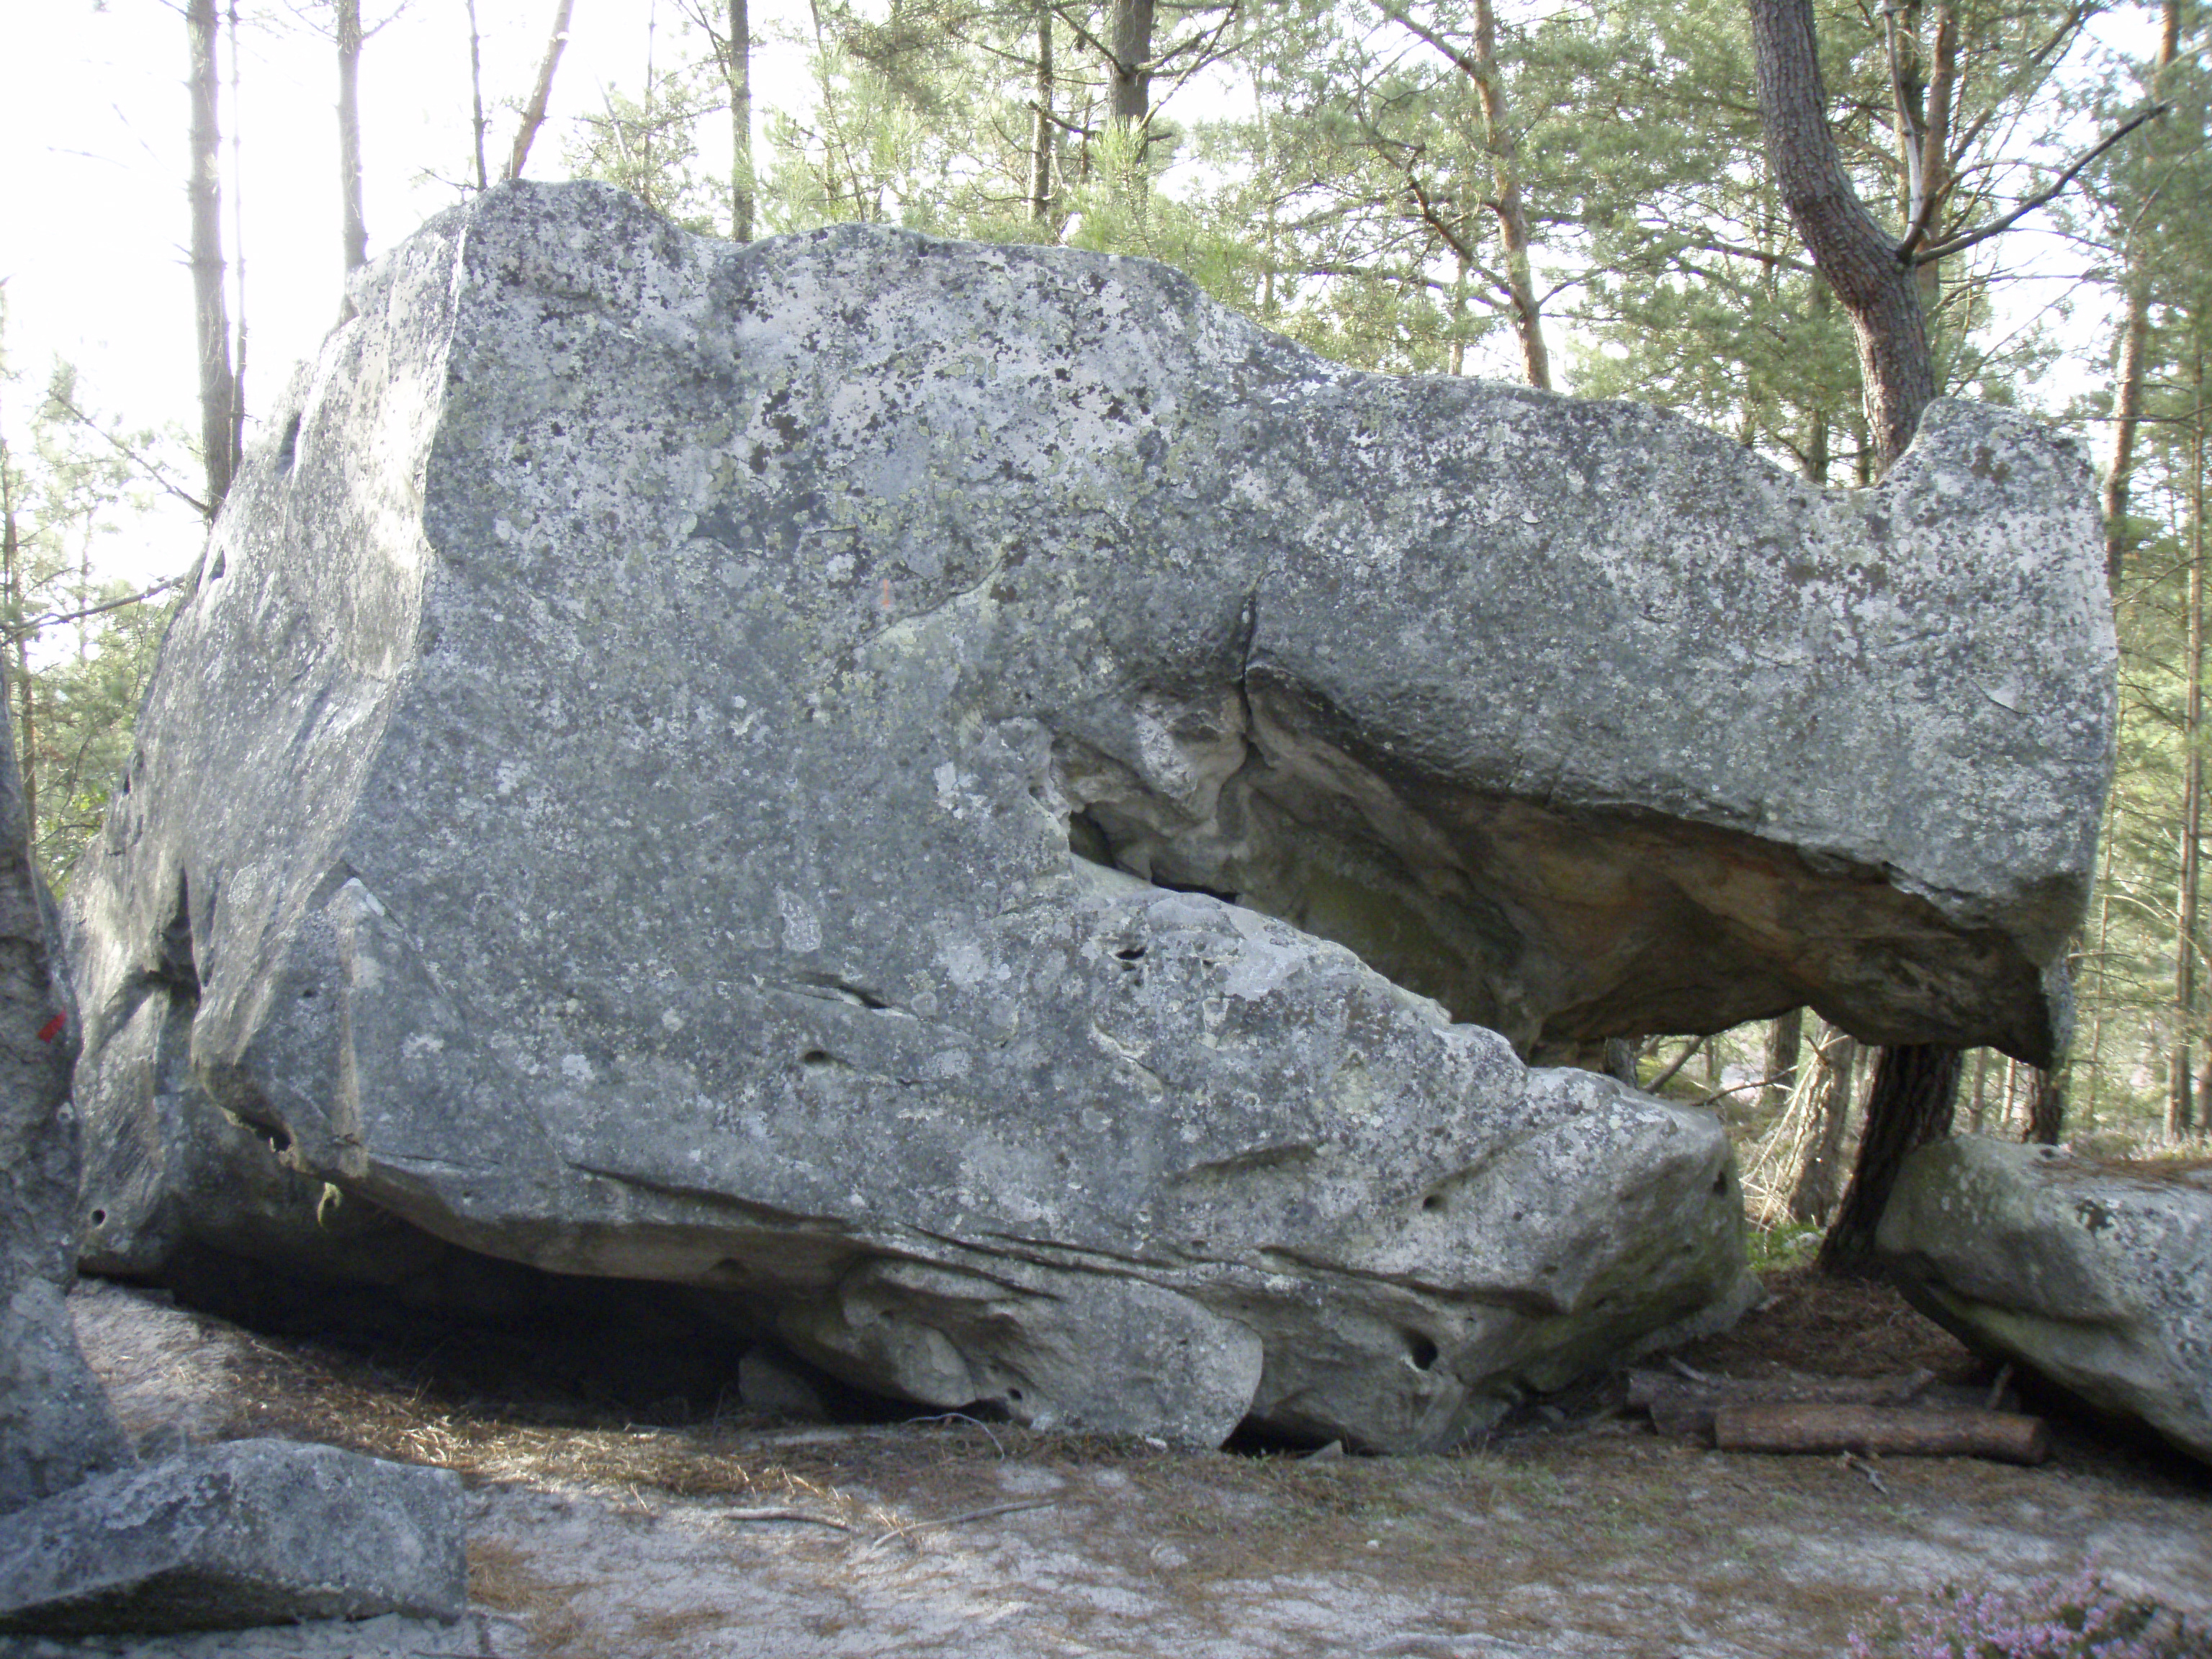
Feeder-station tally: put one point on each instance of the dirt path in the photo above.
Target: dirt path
(738, 1538)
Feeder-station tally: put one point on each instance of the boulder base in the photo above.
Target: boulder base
(1023, 828)
(253, 1532)
(2097, 1277)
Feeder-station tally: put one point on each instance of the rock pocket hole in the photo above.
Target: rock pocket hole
(1130, 953)
(817, 1058)
(100, 1218)
(1421, 1351)
(1721, 1182)
(288, 450)
(1434, 1203)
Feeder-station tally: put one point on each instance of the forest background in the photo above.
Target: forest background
(1575, 195)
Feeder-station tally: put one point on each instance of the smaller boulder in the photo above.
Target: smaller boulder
(2098, 1277)
(251, 1532)
(771, 1385)
(55, 1425)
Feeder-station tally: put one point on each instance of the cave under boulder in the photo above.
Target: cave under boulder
(1026, 831)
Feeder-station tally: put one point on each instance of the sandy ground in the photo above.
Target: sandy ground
(736, 1536)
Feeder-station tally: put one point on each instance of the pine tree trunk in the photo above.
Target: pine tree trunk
(533, 113)
(2046, 1108)
(211, 309)
(741, 123)
(476, 95)
(1878, 291)
(1812, 1196)
(1498, 139)
(1915, 1086)
(2181, 1110)
(355, 234)
(1041, 130)
(2135, 339)
(1785, 1039)
(1131, 39)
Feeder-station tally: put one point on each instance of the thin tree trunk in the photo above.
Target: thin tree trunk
(1878, 290)
(1499, 141)
(1041, 129)
(1981, 1089)
(237, 257)
(2180, 1108)
(2135, 339)
(1785, 1038)
(476, 95)
(740, 78)
(533, 113)
(211, 310)
(1915, 1085)
(1931, 168)
(355, 225)
(1812, 1194)
(2046, 1107)
(11, 590)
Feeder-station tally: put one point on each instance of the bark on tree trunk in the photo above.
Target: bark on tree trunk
(1042, 130)
(2181, 1110)
(11, 589)
(1785, 1039)
(1878, 291)
(741, 123)
(476, 95)
(1812, 1196)
(2046, 1108)
(211, 314)
(1915, 1085)
(2135, 339)
(355, 234)
(533, 113)
(1499, 140)
(1131, 39)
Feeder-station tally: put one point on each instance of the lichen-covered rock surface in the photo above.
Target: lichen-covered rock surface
(55, 1425)
(252, 1532)
(730, 765)
(2098, 1276)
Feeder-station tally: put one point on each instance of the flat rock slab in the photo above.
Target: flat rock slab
(1024, 828)
(2097, 1276)
(252, 1532)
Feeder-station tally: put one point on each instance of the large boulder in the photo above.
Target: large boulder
(980, 804)
(2096, 1276)
(55, 1425)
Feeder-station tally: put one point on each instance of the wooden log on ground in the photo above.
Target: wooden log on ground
(1886, 1430)
(1683, 1406)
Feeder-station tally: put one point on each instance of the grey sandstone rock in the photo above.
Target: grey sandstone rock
(2098, 1277)
(55, 1425)
(251, 1532)
(727, 765)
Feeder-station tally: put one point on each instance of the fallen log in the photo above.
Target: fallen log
(1683, 1407)
(1886, 1430)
